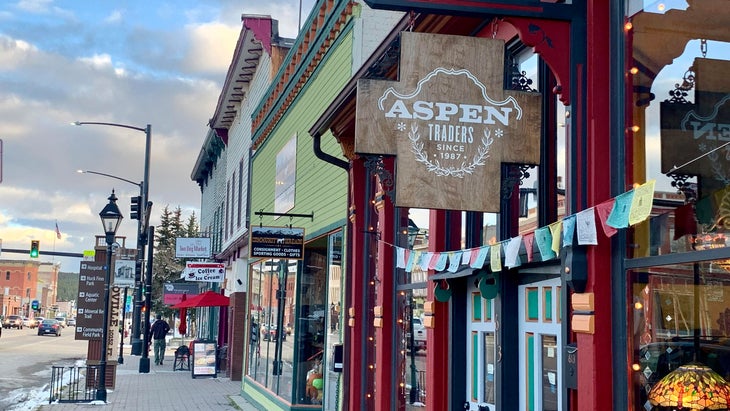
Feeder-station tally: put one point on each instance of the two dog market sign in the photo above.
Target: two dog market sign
(449, 121)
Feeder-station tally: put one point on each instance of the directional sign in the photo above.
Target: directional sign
(90, 309)
(90, 304)
(207, 272)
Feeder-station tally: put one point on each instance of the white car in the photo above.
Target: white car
(419, 338)
(61, 321)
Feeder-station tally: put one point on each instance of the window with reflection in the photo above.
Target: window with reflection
(679, 315)
(412, 293)
(679, 105)
(270, 354)
(311, 323)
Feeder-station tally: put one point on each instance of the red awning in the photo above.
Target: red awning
(207, 299)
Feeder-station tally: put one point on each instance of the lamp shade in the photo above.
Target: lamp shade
(111, 217)
(691, 386)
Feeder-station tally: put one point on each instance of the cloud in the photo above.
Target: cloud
(13, 52)
(211, 47)
(116, 16)
(35, 6)
(161, 64)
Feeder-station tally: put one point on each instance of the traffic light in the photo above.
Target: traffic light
(136, 207)
(34, 246)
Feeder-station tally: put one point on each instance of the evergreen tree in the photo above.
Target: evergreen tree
(166, 267)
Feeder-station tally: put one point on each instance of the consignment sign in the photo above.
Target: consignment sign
(277, 242)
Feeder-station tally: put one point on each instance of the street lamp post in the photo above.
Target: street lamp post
(110, 219)
(144, 362)
(142, 239)
(137, 260)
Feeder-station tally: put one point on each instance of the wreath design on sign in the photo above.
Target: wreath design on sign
(435, 167)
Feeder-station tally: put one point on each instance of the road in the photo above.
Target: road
(26, 360)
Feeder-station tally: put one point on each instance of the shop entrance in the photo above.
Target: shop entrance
(481, 351)
(540, 346)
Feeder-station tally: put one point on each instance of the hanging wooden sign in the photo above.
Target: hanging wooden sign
(449, 121)
(695, 137)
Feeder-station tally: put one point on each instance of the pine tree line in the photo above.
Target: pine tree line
(166, 268)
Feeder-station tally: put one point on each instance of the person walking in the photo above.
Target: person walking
(158, 331)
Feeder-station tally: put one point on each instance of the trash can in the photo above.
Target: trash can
(222, 362)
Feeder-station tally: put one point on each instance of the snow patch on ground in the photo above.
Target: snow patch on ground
(24, 399)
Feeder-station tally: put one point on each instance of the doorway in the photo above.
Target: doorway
(540, 346)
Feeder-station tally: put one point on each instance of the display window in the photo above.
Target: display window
(679, 336)
(677, 112)
(291, 322)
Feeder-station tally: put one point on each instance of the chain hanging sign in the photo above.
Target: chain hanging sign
(449, 121)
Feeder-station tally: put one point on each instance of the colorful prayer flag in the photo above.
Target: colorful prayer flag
(603, 210)
(642, 202)
(585, 225)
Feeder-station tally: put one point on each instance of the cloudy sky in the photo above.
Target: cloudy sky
(133, 62)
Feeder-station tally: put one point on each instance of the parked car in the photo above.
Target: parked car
(61, 321)
(71, 322)
(50, 326)
(419, 338)
(269, 333)
(13, 321)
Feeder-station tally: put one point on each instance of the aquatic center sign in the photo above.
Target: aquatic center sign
(449, 122)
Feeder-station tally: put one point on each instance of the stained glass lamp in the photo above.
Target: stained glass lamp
(693, 386)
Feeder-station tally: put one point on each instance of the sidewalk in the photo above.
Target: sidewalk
(164, 389)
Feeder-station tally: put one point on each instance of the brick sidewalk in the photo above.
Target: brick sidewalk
(165, 389)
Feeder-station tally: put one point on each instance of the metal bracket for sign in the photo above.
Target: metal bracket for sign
(375, 165)
(516, 173)
(261, 213)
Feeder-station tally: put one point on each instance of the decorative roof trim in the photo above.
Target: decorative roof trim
(308, 52)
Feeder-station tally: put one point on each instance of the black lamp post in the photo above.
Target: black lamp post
(110, 219)
(145, 208)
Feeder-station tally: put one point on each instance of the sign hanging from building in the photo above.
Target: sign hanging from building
(277, 242)
(172, 293)
(449, 122)
(205, 272)
(694, 136)
(192, 247)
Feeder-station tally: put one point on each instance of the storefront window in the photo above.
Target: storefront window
(677, 111)
(289, 320)
(678, 106)
(411, 346)
(679, 314)
(336, 320)
(311, 323)
(270, 356)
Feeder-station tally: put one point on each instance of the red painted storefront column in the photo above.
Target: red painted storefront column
(355, 362)
(385, 286)
(595, 355)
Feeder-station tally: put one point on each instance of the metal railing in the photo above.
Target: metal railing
(73, 384)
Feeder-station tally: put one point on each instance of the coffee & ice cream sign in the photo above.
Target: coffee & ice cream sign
(449, 121)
